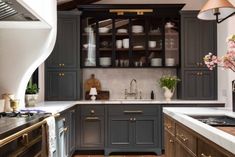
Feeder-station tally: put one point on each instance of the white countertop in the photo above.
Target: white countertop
(59, 106)
(219, 137)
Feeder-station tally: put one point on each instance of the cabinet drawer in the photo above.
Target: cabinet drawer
(91, 110)
(134, 110)
(186, 138)
(169, 124)
(206, 150)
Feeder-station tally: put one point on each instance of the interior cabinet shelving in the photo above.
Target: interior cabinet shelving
(136, 50)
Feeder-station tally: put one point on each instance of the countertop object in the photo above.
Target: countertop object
(92, 82)
(221, 138)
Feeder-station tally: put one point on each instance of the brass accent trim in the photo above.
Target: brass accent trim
(137, 11)
(133, 112)
(20, 133)
(92, 118)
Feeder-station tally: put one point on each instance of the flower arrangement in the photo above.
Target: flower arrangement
(227, 61)
(169, 81)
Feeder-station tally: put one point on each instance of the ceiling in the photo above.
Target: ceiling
(72, 4)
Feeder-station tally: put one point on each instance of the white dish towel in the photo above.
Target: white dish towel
(51, 136)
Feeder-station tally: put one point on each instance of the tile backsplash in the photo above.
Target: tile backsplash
(117, 80)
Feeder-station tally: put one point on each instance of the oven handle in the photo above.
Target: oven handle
(20, 133)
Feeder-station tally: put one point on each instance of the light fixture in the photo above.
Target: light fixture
(93, 93)
(218, 10)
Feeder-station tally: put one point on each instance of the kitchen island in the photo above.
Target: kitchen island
(186, 136)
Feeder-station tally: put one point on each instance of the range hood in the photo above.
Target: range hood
(11, 10)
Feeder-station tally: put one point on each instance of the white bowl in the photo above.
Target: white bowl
(122, 31)
(137, 29)
(152, 44)
(156, 62)
(170, 62)
(103, 30)
(105, 61)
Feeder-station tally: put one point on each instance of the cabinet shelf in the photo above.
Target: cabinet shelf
(155, 49)
(105, 49)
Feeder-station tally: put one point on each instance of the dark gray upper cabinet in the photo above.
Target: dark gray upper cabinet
(197, 39)
(62, 70)
(65, 53)
(61, 85)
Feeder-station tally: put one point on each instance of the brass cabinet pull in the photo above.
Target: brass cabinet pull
(25, 138)
(133, 112)
(92, 118)
(66, 129)
(62, 65)
(182, 137)
(203, 155)
(171, 141)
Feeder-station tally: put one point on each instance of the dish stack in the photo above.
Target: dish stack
(156, 62)
(137, 29)
(105, 61)
(170, 62)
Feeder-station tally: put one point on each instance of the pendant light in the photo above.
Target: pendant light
(218, 10)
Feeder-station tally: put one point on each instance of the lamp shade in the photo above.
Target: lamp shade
(93, 91)
(224, 7)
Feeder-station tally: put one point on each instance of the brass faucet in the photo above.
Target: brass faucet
(133, 90)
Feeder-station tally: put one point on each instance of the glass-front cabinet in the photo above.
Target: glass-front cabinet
(129, 41)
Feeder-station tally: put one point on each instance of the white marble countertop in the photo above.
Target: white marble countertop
(59, 106)
(182, 114)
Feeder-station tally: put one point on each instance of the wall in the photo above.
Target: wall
(225, 77)
(25, 45)
(117, 80)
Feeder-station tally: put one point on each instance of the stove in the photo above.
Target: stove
(216, 120)
(16, 114)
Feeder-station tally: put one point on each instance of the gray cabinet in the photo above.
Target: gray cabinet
(134, 128)
(92, 127)
(61, 85)
(72, 130)
(65, 53)
(62, 70)
(198, 38)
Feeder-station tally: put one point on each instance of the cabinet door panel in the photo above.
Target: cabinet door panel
(92, 130)
(72, 131)
(119, 131)
(207, 89)
(68, 86)
(52, 85)
(145, 132)
(68, 47)
(169, 144)
(191, 42)
(190, 85)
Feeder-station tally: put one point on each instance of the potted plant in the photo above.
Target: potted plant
(168, 83)
(31, 94)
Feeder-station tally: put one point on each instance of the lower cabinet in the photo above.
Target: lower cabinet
(134, 128)
(66, 133)
(184, 142)
(92, 127)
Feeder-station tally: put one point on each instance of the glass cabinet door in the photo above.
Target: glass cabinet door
(172, 43)
(105, 44)
(122, 42)
(88, 42)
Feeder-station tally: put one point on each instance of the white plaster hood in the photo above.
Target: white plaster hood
(25, 45)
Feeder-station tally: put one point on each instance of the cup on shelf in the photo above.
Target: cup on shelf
(116, 62)
(125, 43)
(126, 63)
(136, 64)
(121, 62)
(156, 62)
(170, 62)
(152, 44)
(119, 44)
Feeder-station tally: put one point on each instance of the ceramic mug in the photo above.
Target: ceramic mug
(125, 43)
(119, 44)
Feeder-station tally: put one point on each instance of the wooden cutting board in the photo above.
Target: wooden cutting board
(92, 82)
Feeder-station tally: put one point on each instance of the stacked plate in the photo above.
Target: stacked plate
(156, 62)
(137, 29)
(122, 31)
(105, 61)
(170, 62)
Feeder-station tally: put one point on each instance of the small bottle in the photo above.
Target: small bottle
(152, 95)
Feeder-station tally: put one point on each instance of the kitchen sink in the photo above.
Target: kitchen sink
(217, 121)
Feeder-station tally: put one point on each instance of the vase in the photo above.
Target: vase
(31, 99)
(168, 93)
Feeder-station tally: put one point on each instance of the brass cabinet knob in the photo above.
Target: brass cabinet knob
(198, 73)
(171, 141)
(62, 65)
(134, 119)
(62, 74)
(92, 111)
(131, 119)
(203, 155)
(65, 129)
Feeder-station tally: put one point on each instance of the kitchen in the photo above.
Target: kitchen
(101, 85)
